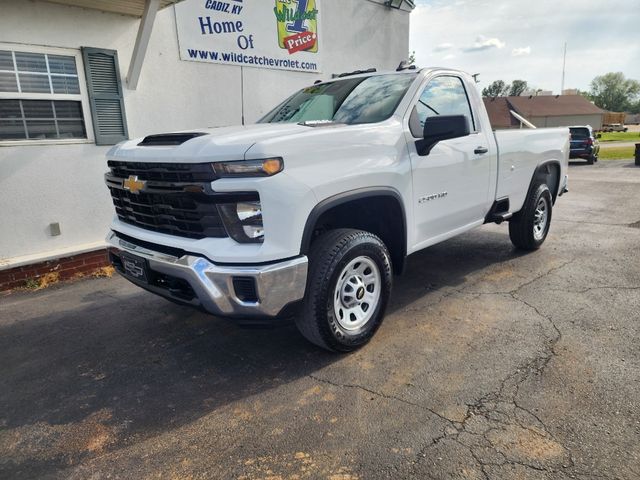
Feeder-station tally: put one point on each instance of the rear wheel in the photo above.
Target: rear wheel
(529, 227)
(591, 160)
(348, 287)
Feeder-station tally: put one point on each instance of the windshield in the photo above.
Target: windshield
(351, 101)
(579, 133)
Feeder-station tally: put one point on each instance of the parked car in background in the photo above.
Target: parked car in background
(584, 144)
(614, 127)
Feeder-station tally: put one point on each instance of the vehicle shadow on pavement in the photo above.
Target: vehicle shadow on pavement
(451, 263)
(98, 365)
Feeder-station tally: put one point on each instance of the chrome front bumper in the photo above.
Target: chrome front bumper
(276, 284)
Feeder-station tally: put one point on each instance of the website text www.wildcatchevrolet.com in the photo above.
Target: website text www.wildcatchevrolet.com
(250, 59)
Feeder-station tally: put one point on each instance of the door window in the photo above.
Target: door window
(442, 96)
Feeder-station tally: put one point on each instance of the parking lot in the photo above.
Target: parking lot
(490, 364)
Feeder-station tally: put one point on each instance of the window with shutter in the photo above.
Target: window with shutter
(42, 99)
(105, 95)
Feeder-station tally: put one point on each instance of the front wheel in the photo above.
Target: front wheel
(529, 227)
(348, 287)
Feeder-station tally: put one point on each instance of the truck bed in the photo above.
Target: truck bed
(520, 152)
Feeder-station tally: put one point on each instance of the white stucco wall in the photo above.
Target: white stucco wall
(43, 184)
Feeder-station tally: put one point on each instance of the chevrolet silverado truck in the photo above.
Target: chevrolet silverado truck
(311, 211)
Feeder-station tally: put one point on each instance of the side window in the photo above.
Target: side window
(442, 96)
(40, 97)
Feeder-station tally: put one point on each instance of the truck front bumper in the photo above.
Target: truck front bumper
(239, 291)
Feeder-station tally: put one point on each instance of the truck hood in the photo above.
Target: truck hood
(225, 143)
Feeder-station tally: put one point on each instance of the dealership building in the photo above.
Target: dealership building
(77, 76)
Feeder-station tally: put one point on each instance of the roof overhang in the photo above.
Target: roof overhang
(145, 10)
(133, 8)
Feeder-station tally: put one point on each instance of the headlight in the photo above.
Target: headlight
(243, 221)
(249, 168)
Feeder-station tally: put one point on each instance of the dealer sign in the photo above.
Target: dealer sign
(279, 34)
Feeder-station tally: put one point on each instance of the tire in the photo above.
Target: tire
(529, 227)
(590, 160)
(348, 287)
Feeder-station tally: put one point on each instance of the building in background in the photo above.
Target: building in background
(632, 119)
(499, 111)
(77, 76)
(544, 111)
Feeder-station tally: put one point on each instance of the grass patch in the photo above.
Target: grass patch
(43, 281)
(616, 153)
(620, 137)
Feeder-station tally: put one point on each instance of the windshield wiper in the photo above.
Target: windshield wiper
(319, 123)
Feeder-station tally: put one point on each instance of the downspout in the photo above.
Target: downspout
(522, 119)
(142, 42)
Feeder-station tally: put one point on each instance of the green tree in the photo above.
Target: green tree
(518, 87)
(613, 92)
(497, 89)
(585, 94)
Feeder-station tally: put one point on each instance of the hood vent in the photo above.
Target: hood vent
(168, 139)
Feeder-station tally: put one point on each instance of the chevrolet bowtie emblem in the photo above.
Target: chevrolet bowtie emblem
(133, 184)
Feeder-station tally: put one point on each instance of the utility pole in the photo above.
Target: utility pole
(564, 64)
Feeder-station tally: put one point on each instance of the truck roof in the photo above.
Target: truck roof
(391, 72)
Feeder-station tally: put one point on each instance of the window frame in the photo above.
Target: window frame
(82, 97)
(474, 127)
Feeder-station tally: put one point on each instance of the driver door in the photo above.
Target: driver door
(451, 182)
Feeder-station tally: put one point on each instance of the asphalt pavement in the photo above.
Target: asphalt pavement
(491, 364)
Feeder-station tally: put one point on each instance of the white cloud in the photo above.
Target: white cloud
(519, 52)
(596, 44)
(443, 47)
(483, 43)
(448, 57)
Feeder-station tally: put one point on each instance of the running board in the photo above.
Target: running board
(499, 212)
(501, 217)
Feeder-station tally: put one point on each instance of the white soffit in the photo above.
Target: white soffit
(134, 8)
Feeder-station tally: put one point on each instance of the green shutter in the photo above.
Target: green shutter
(105, 95)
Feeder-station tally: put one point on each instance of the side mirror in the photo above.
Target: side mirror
(442, 127)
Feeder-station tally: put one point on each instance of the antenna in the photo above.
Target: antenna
(564, 64)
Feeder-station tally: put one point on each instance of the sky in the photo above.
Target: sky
(524, 39)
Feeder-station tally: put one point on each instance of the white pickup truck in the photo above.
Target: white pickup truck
(312, 210)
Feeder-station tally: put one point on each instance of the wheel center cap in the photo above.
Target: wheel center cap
(352, 292)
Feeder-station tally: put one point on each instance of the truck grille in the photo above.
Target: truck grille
(164, 172)
(182, 214)
(177, 199)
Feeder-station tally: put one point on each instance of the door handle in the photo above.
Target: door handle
(480, 150)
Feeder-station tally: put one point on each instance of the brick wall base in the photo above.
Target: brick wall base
(39, 275)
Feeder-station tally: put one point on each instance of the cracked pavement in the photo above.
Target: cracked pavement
(491, 364)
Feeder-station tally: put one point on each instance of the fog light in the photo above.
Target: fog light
(243, 221)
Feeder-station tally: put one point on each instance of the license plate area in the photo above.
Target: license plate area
(135, 267)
